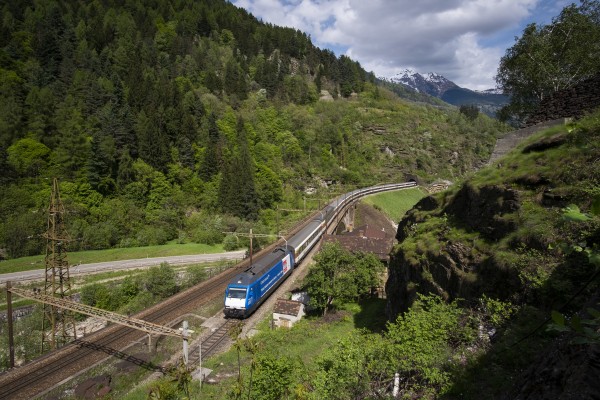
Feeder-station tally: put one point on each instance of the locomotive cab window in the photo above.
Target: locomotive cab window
(237, 293)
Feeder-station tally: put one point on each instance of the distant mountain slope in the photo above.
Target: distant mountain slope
(432, 84)
(408, 93)
(488, 102)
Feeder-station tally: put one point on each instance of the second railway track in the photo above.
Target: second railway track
(34, 378)
(38, 376)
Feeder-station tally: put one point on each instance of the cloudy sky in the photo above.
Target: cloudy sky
(460, 39)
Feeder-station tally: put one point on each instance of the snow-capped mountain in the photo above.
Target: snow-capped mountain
(490, 91)
(433, 84)
(488, 101)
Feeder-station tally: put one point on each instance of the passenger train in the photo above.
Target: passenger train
(249, 289)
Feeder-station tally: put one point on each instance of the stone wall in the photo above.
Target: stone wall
(573, 102)
(512, 140)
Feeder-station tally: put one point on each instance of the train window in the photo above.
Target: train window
(236, 293)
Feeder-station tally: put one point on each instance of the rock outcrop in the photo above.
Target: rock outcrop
(510, 234)
(454, 270)
(562, 372)
(512, 140)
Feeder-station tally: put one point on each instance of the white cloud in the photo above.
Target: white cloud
(386, 36)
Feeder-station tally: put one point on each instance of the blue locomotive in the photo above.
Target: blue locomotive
(250, 288)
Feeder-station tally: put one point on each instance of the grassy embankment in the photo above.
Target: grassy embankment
(395, 204)
(94, 256)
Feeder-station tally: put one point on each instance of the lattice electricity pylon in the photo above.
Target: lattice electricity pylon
(57, 284)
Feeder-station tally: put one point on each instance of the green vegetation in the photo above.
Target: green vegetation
(179, 121)
(521, 239)
(338, 276)
(128, 253)
(549, 58)
(395, 204)
(334, 357)
(184, 120)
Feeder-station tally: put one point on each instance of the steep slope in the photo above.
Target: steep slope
(524, 232)
(179, 120)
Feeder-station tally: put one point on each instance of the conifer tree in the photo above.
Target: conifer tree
(125, 173)
(238, 193)
(248, 199)
(212, 155)
(101, 163)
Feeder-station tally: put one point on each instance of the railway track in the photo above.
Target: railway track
(34, 378)
(37, 377)
(42, 374)
(211, 344)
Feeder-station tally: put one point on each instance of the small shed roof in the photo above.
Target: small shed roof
(287, 307)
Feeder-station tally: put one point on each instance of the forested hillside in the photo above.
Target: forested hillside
(182, 119)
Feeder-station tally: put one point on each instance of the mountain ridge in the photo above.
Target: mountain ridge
(488, 101)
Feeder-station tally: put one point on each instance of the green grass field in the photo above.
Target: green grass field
(93, 256)
(395, 204)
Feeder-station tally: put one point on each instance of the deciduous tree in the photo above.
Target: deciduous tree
(338, 275)
(548, 58)
(28, 156)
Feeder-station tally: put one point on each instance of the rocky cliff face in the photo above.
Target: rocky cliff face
(525, 231)
(564, 371)
(453, 270)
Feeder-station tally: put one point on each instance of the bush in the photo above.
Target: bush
(201, 235)
(194, 275)
(498, 312)
(471, 112)
(164, 389)
(206, 228)
(421, 342)
(101, 296)
(99, 236)
(160, 281)
(151, 236)
(140, 302)
(128, 242)
(231, 243)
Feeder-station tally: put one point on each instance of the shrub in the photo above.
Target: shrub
(102, 235)
(194, 274)
(160, 281)
(101, 296)
(151, 236)
(231, 243)
(497, 311)
(210, 237)
(422, 341)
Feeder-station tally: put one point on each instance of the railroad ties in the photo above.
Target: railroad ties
(213, 342)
